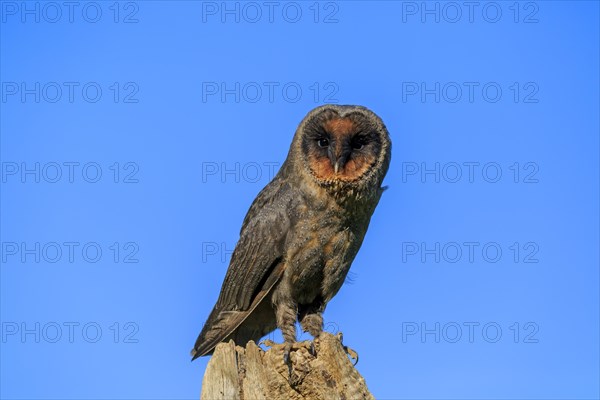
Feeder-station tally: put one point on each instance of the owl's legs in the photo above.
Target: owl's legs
(286, 313)
(312, 323)
(311, 320)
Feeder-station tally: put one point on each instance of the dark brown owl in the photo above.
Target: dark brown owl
(303, 230)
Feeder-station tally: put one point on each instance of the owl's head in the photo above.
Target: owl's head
(343, 146)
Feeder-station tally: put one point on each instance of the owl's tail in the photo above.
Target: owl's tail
(223, 325)
(251, 327)
(218, 327)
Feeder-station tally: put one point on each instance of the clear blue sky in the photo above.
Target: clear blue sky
(136, 135)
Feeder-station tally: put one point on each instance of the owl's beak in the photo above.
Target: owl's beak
(338, 159)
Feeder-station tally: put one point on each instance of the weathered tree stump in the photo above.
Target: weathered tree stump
(250, 373)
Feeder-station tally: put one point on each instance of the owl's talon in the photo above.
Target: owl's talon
(350, 352)
(267, 343)
(286, 354)
(313, 346)
(288, 361)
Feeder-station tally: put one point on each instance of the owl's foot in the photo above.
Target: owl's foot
(350, 352)
(288, 361)
(296, 357)
(288, 348)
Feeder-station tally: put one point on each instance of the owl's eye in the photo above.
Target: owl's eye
(323, 142)
(358, 144)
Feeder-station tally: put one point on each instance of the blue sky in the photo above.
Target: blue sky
(135, 135)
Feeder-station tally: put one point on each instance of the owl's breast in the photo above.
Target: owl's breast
(320, 256)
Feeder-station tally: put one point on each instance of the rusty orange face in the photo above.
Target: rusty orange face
(341, 149)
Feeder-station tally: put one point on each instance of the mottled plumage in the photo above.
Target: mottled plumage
(303, 230)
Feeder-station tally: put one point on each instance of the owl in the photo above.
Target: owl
(303, 230)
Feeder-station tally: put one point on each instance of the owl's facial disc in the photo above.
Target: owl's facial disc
(341, 148)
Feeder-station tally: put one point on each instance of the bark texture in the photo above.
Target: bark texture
(250, 373)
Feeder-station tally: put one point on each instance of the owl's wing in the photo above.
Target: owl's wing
(256, 265)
